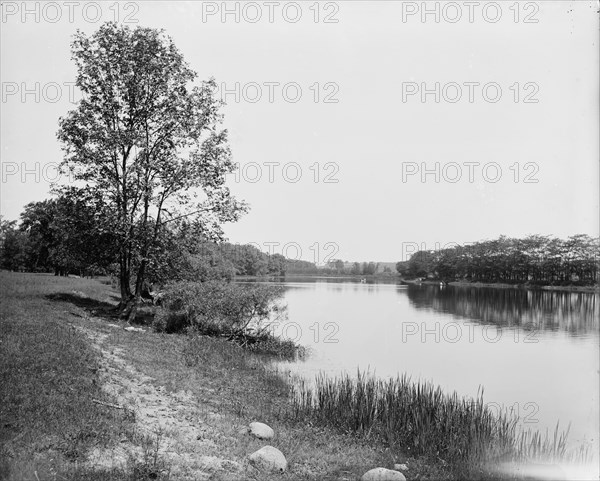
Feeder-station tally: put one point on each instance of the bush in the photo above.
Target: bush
(242, 313)
(219, 308)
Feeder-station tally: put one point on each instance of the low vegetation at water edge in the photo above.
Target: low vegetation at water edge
(418, 418)
(243, 313)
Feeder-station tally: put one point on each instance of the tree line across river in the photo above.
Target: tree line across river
(65, 235)
(535, 260)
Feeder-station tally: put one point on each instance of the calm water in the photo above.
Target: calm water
(535, 351)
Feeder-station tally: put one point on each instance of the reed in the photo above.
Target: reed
(419, 419)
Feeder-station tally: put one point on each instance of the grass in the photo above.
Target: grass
(47, 372)
(419, 418)
(49, 379)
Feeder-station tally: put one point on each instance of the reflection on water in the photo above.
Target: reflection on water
(574, 312)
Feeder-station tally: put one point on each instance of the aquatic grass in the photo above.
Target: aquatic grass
(419, 418)
(532, 445)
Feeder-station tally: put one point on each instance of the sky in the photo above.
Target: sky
(363, 130)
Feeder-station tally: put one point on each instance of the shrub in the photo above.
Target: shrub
(242, 313)
(219, 308)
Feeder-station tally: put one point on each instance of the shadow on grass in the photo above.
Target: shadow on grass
(94, 306)
(145, 313)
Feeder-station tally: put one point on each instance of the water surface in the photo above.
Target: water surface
(533, 351)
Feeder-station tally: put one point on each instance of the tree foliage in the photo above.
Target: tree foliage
(148, 142)
(535, 259)
(14, 246)
(64, 235)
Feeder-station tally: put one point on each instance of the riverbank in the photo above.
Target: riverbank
(427, 282)
(500, 285)
(525, 286)
(301, 277)
(91, 400)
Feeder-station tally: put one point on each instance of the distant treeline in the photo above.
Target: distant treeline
(74, 235)
(337, 267)
(535, 260)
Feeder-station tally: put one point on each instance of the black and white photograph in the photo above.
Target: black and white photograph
(350, 240)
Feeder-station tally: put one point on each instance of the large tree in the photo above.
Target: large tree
(147, 140)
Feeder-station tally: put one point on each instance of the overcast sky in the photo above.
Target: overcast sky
(347, 147)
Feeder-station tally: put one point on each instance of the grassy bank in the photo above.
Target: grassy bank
(49, 380)
(51, 375)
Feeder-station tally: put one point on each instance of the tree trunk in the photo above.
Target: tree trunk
(124, 277)
(125, 305)
(136, 298)
(139, 282)
(129, 309)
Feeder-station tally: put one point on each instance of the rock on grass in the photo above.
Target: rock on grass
(382, 474)
(269, 458)
(261, 431)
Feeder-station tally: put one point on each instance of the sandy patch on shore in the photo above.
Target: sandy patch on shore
(171, 426)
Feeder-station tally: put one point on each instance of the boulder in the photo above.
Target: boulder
(400, 467)
(261, 431)
(382, 474)
(269, 458)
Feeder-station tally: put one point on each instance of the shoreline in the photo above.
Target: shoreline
(493, 285)
(588, 289)
(501, 285)
(319, 276)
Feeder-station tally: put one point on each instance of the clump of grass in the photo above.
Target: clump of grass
(419, 418)
(532, 444)
(152, 465)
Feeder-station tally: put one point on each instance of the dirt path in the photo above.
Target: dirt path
(171, 429)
